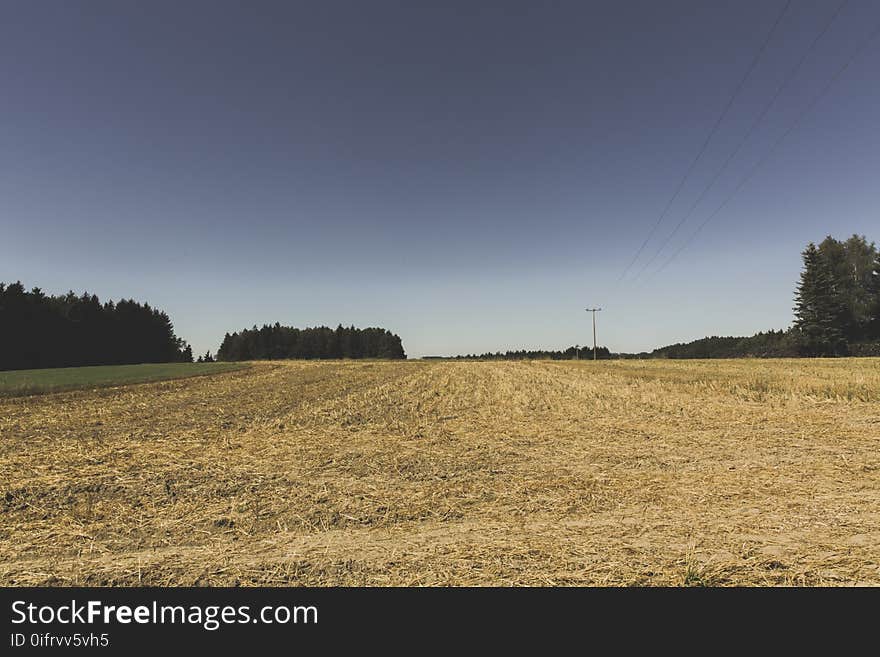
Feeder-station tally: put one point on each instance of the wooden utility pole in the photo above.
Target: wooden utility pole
(594, 311)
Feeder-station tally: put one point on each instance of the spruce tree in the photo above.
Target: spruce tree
(819, 314)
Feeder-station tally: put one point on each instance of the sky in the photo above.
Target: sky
(469, 175)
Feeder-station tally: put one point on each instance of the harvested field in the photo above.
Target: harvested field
(451, 473)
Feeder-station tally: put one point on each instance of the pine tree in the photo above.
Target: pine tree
(818, 311)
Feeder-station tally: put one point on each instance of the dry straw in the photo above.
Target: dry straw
(451, 473)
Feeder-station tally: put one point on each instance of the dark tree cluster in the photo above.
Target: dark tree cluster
(572, 353)
(772, 344)
(837, 303)
(276, 342)
(38, 331)
(837, 310)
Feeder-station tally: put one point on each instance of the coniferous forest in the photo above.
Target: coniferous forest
(836, 310)
(277, 342)
(40, 331)
(836, 313)
(572, 353)
(837, 305)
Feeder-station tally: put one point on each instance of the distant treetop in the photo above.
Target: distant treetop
(40, 331)
(276, 342)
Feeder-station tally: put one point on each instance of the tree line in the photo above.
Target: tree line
(836, 313)
(44, 331)
(40, 331)
(572, 353)
(836, 310)
(770, 344)
(275, 342)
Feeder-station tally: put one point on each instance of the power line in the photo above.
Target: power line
(791, 75)
(858, 51)
(705, 145)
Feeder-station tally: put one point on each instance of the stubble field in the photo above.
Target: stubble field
(451, 473)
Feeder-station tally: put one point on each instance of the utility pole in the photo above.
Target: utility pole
(594, 311)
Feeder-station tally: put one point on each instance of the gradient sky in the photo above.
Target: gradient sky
(470, 175)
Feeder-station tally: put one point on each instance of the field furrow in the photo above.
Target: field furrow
(451, 473)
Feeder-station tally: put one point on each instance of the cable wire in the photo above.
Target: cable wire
(858, 51)
(791, 75)
(708, 139)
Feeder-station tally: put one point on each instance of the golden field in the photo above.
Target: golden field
(451, 473)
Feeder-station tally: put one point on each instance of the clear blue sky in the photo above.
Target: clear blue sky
(470, 175)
